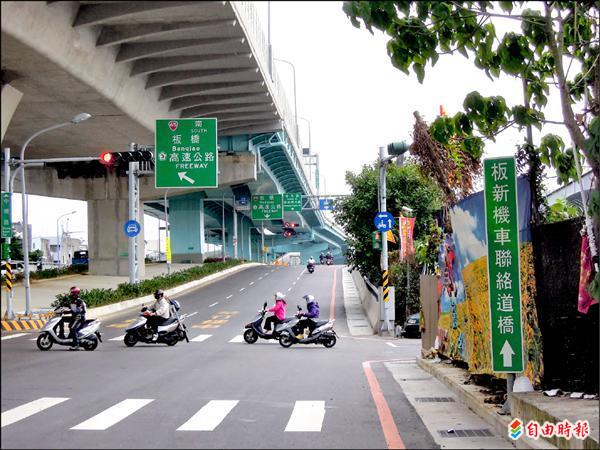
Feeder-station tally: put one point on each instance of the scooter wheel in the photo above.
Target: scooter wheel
(172, 342)
(130, 340)
(285, 340)
(250, 336)
(91, 344)
(44, 342)
(330, 342)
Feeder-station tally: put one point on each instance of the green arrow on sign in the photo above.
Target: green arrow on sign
(502, 229)
(267, 207)
(186, 153)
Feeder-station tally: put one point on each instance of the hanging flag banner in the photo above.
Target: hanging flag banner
(407, 246)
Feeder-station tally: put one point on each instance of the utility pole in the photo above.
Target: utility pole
(6, 251)
(134, 197)
(384, 242)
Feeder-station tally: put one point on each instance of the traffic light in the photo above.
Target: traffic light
(376, 240)
(106, 158)
(397, 148)
(111, 159)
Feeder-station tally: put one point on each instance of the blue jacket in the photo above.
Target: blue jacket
(313, 310)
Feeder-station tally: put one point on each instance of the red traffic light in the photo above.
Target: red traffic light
(106, 158)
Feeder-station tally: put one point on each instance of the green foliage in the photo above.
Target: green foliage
(49, 273)
(406, 186)
(398, 279)
(562, 210)
(420, 31)
(35, 255)
(127, 291)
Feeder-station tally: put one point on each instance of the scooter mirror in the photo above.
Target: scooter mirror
(264, 305)
(299, 308)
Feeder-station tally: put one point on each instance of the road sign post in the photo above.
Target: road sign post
(186, 153)
(502, 230)
(267, 207)
(292, 202)
(6, 216)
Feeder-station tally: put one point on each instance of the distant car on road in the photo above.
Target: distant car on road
(15, 266)
(412, 326)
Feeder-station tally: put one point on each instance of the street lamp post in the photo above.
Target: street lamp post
(295, 99)
(308, 122)
(75, 120)
(58, 241)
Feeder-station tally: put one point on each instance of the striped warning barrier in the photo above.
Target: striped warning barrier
(8, 276)
(386, 288)
(22, 325)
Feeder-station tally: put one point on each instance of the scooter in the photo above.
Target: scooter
(329, 260)
(322, 334)
(254, 329)
(170, 332)
(88, 335)
(321, 259)
(310, 267)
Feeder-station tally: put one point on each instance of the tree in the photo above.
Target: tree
(406, 186)
(558, 46)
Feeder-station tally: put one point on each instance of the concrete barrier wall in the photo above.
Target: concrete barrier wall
(369, 301)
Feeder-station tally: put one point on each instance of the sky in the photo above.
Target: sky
(353, 97)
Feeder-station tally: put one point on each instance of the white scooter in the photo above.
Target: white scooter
(88, 335)
(170, 332)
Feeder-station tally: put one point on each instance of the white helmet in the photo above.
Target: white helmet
(279, 296)
(309, 298)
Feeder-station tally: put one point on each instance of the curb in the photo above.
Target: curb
(102, 312)
(487, 413)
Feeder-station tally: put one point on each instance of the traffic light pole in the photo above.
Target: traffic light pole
(167, 235)
(384, 243)
(134, 196)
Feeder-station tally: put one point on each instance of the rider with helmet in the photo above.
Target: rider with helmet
(312, 312)
(278, 311)
(160, 312)
(311, 261)
(78, 310)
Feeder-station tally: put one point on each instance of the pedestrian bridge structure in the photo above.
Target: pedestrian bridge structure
(130, 63)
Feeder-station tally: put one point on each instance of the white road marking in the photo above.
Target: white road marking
(289, 289)
(118, 338)
(29, 409)
(34, 339)
(266, 274)
(298, 279)
(391, 344)
(201, 338)
(272, 270)
(251, 283)
(12, 336)
(307, 416)
(260, 278)
(215, 303)
(294, 282)
(242, 289)
(228, 297)
(210, 416)
(238, 338)
(192, 314)
(113, 415)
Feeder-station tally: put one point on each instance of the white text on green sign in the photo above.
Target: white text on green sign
(6, 216)
(502, 230)
(186, 153)
(292, 202)
(267, 207)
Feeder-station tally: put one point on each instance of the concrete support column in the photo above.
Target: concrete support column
(186, 214)
(11, 98)
(108, 244)
(202, 231)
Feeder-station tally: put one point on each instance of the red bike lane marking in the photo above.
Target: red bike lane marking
(390, 430)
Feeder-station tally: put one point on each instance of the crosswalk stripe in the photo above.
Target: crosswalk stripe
(307, 416)
(29, 409)
(201, 338)
(210, 416)
(12, 336)
(238, 338)
(118, 338)
(114, 414)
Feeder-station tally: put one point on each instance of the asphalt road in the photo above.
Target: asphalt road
(214, 392)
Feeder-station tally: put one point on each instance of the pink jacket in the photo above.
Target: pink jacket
(278, 309)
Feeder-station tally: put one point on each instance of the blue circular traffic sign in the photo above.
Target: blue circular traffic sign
(384, 221)
(132, 228)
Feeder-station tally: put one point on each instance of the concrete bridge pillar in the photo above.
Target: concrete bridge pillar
(108, 244)
(186, 216)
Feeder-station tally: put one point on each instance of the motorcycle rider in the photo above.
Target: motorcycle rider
(312, 312)
(321, 258)
(278, 311)
(160, 313)
(78, 310)
(311, 261)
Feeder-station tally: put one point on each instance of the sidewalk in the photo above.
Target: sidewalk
(44, 292)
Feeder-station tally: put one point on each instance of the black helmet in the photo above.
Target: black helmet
(158, 294)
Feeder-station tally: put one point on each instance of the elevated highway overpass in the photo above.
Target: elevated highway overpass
(130, 63)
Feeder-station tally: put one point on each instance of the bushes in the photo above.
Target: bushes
(49, 273)
(127, 291)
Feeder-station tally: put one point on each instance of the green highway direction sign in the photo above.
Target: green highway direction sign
(6, 216)
(186, 153)
(502, 230)
(292, 202)
(267, 207)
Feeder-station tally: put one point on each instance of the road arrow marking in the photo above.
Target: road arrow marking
(507, 354)
(183, 176)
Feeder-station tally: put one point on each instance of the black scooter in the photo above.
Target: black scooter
(254, 329)
(310, 267)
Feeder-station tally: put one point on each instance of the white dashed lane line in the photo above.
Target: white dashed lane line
(251, 283)
(289, 289)
(260, 278)
(294, 282)
(242, 289)
(228, 297)
(215, 303)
